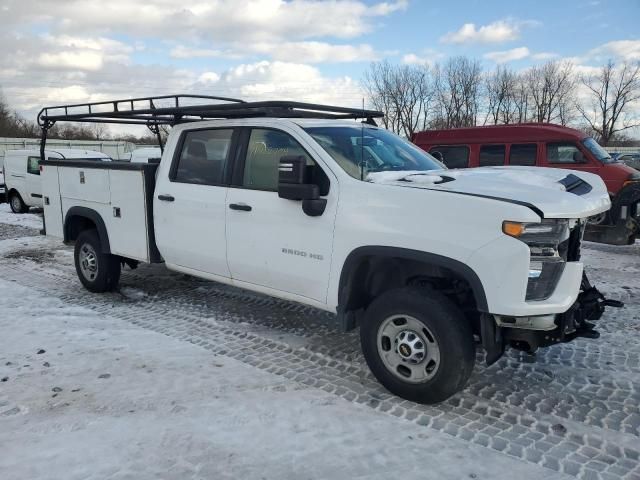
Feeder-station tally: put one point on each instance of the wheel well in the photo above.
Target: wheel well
(75, 225)
(79, 219)
(368, 276)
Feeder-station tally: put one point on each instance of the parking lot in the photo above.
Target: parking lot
(233, 378)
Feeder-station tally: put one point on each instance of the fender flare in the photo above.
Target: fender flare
(92, 215)
(456, 266)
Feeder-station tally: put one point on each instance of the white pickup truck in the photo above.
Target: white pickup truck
(301, 202)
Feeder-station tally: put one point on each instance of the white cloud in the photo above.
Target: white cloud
(209, 77)
(71, 60)
(316, 52)
(544, 56)
(496, 32)
(187, 52)
(508, 55)
(413, 59)
(217, 20)
(626, 50)
(427, 57)
(285, 80)
(308, 52)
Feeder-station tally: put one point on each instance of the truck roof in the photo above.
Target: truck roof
(523, 132)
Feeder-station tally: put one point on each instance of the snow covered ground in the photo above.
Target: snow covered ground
(33, 219)
(178, 378)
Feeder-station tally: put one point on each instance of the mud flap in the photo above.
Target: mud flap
(492, 340)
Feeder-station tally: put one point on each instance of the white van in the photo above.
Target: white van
(22, 174)
(146, 155)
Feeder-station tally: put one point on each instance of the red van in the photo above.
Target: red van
(545, 145)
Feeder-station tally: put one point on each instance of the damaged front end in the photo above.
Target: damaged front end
(549, 254)
(574, 323)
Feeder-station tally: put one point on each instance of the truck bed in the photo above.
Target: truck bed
(120, 193)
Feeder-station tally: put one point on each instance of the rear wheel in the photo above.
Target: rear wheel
(98, 272)
(418, 344)
(16, 203)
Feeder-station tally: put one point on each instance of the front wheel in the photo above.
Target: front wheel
(418, 344)
(16, 203)
(99, 272)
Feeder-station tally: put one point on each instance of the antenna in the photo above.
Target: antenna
(362, 144)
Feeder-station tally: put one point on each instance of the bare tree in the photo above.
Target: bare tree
(550, 87)
(403, 93)
(521, 100)
(457, 87)
(612, 92)
(501, 96)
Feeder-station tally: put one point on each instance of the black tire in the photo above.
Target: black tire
(445, 325)
(106, 275)
(16, 203)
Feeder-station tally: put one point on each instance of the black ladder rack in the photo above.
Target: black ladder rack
(153, 112)
(147, 110)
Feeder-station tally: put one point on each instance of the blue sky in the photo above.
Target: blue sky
(78, 50)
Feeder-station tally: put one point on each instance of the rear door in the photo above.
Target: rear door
(15, 173)
(190, 203)
(271, 241)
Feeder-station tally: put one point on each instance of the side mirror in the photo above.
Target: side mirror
(292, 185)
(437, 155)
(578, 157)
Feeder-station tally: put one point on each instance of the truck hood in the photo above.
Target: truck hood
(556, 193)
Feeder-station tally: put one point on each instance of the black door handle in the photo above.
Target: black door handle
(166, 198)
(240, 206)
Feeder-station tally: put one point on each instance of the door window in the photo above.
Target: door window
(564, 153)
(33, 165)
(491, 155)
(452, 156)
(203, 157)
(523, 154)
(264, 151)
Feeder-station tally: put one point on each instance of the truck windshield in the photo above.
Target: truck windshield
(360, 150)
(597, 151)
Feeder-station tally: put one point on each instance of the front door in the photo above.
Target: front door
(271, 241)
(569, 155)
(190, 203)
(33, 182)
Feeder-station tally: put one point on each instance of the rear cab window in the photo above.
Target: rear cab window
(203, 158)
(453, 156)
(491, 155)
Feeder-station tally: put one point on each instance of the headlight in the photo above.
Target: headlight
(548, 232)
(633, 178)
(546, 264)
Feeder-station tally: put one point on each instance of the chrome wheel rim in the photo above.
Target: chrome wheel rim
(88, 260)
(408, 349)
